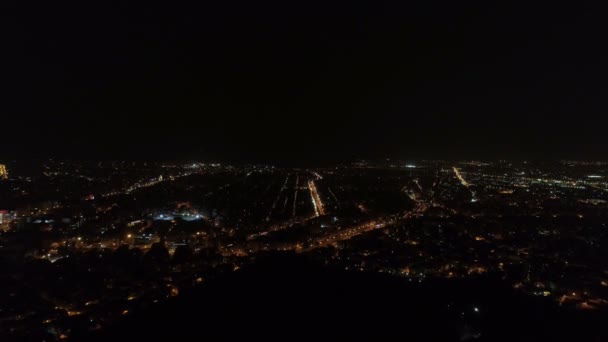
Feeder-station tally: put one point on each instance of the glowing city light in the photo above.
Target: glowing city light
(316, 200)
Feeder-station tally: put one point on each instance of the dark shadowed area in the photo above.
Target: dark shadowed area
(289, 297)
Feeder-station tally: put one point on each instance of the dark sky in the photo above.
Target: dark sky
(303, 81)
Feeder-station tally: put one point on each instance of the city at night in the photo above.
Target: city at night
(359, 170)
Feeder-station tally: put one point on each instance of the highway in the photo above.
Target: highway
(316, 200)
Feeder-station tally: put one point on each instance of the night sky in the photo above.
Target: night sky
(303, 81)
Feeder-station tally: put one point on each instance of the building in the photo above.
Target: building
(5, 220)
(3, 172)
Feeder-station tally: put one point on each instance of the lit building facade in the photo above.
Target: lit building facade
(3, 172)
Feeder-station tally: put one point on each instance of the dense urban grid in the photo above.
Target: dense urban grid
(84, 245)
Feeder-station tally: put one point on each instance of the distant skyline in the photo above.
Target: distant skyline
(293, 84)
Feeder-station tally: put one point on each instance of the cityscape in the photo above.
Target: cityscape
(85, 245)
(303, 170)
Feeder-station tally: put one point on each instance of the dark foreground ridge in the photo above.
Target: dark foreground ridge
(286, 297)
